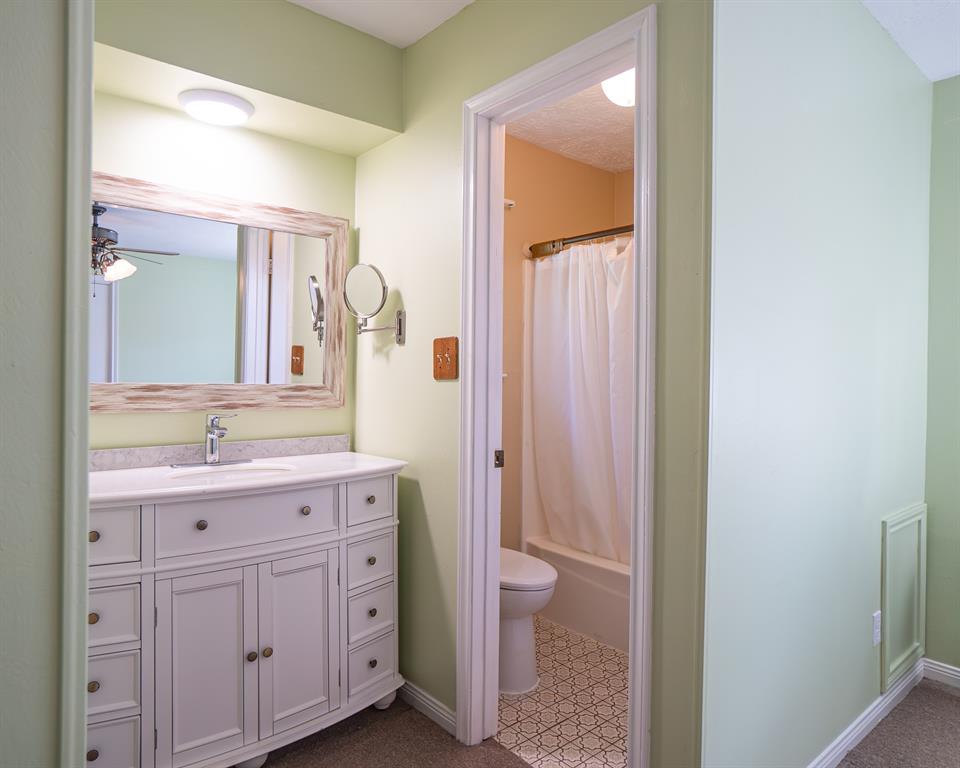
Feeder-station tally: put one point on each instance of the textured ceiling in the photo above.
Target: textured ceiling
(586, 126)
(398, 22)
(928, 31)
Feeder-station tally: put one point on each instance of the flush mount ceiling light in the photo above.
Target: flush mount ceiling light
(216, 107)
(621, 89)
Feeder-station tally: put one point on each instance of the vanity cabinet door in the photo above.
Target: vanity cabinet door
(206, 667)
(299, 640)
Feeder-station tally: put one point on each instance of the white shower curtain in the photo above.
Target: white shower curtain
(578, 369)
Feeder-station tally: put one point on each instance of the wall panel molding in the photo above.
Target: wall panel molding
(903, 592)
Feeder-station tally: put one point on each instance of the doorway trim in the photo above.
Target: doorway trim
(75, 419)
(630, 42)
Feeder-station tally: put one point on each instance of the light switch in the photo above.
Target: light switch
(296, 360)
(446, 364)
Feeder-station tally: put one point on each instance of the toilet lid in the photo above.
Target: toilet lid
(524, 572)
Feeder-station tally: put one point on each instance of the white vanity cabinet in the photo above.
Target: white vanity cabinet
(231, 618)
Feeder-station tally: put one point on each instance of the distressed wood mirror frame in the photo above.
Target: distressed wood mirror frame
(127, 398)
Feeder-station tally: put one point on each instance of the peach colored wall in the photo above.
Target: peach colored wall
(556, 197)
(623, 198)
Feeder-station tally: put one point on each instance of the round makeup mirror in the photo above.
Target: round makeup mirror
(364, 291)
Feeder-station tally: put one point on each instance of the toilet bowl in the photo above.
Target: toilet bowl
(526, 586)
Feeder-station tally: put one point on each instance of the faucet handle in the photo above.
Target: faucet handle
(213, 419)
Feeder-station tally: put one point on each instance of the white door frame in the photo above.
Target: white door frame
(76, 403)
(630, 42)
(253, 304)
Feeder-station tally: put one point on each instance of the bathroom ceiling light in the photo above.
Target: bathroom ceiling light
(216, 107)
(621, 89)
(119, 269)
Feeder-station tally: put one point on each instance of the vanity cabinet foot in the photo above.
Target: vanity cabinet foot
(253, 762)
(386, 701)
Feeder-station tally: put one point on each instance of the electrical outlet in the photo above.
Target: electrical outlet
(877, 625)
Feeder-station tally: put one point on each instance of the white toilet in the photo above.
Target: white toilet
(526, 586)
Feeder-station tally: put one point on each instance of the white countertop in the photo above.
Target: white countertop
(149, 484)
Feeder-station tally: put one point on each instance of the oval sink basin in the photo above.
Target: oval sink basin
(232, 470)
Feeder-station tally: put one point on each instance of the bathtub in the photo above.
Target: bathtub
(592, 594)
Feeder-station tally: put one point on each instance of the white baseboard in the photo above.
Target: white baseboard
(942, 673)
(867, 721)
(426, 704)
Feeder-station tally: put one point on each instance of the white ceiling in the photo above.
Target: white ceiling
(138, 228)
(928, 31)
(586, 126)
(398, 22)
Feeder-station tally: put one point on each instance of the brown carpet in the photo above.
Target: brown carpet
(922, 732)
(399, 737)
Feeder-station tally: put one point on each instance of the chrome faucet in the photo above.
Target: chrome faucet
(212, 443)
(214, 433)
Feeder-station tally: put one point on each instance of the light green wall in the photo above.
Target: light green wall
(176, 321)
(409, 194)
(818, 366)
(167, 147)
(33, 76)
(943, 436)
(271, 45)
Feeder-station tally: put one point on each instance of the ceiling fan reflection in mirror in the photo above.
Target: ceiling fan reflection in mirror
(107, 258)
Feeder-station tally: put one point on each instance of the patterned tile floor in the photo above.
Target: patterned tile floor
(577, 717)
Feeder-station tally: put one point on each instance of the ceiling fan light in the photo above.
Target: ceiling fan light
(216, 107)
(119, 269)
(621, 89)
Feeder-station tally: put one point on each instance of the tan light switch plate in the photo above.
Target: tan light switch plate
(446, 363)
(296, 360)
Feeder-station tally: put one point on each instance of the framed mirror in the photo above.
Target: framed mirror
(200, 302)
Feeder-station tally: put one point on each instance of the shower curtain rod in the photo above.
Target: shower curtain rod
(550, 247)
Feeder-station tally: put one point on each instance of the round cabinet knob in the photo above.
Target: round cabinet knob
(267, 652)
(371, 499)
(93, 537)
(201, 525)
(93, 686)
(92, 755)
(93, 618)
(305, 510)
(372, 663)
(372, 613)
(371, 560)
(252, 656)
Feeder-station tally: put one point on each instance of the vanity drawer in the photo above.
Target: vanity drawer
(369, 500)
(186, 528)
(370, 613)
(114, 744)
(114, 536)
(369, 560)
(114, 615)
(113, 683)
(371, 663)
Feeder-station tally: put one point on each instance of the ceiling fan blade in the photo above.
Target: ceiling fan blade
(119, 253)
(146, 250)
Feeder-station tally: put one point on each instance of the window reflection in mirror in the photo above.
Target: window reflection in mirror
(228, 308)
